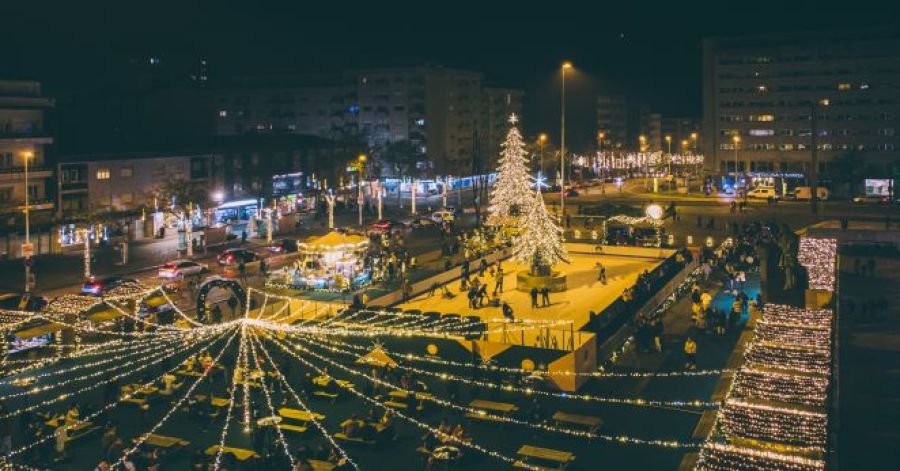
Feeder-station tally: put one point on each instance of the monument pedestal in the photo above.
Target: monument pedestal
(556, 281)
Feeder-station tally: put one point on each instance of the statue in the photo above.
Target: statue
(788, 244)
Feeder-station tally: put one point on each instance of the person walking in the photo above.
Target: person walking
(545, 296)
(690, 352)
(534, 297)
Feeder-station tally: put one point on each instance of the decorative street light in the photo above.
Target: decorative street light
(737, 140)
(562, 143)
(26, 156)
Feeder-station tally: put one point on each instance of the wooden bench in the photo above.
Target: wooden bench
(326, 395)
(490, 411)
(81, 432)
(293, 428)
(489, 418)
(397, 405)
(301, 415)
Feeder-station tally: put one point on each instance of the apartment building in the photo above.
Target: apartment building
(24, 135)
(773, 90)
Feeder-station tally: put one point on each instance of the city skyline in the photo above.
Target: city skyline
(614, 48)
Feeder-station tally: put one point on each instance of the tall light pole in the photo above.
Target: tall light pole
(669, 158)
(600, 136)
(562, 143)
(26, 156)
(642, 140)
(814, 149)
(359, 181)
(736, 139)
(542, 139)
(694, 150)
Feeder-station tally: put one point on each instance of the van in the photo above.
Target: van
(805, 193)
(762, 192)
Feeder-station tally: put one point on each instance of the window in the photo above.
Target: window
(33, 192)
(103, 174)
(843, 86)
(6, 159)
(126, 172)
(5, 194)
(126, 198)
(762, 132)
(223, 113)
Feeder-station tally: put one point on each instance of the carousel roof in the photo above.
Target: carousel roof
(334, 241)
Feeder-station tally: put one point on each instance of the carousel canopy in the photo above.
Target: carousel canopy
(378, 358)
(633, 221)
(333, 242)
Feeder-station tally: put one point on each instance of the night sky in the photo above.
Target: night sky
(649, 49)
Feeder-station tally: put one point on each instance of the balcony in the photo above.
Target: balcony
(24, 134)
(18, 173)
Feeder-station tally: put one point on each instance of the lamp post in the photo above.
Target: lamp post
(814, 149)
(736, 139)
(694, 151)
(542, 139)
(359, 181)
(26, 156)
(189, 223)
(669, 158)
(642, 140)
(600, 136)
(562, 143)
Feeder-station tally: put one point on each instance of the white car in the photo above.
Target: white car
(182, 268)
(762, 193)
(443, 215)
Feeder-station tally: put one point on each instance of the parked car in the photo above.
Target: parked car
(22, 302)
(386, 226)
(805, 193)
(789, 196)
(762, 192)
(572, 193)
(182, 268)
(236, 256)
(443, 215)
(97, 286)
(871, 199)
(283, 246)
(421, 223)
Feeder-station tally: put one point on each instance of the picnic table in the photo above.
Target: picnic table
(300, 415)
(61, 421)
(503, 407)
(195, 374)
(216, 401)
(561, 458)
(140, 389)
(319, 465)
(588, 422)
(240, 453)
(163, 441)
(323, 381)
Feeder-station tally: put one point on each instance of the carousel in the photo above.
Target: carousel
(333, 262)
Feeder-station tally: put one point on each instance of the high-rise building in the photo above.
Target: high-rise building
(616, 121)
(24, 135)
(651, 130)
(774, 90)
(684, 133)
(497, 104)
(281, 104)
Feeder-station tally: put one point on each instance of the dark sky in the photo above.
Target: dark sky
(648, 48)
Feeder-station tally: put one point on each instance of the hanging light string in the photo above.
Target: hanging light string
(115, 345)
(228, 412)
(528, 390)
(138, 365)
(177, 405)
(312, 415)
(469, 410)
(149, 353)
(121, 399)
(544, 373)
(422, 425)
(268, 397)
(179, 311)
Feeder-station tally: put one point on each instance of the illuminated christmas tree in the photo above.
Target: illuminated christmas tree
(539, 242)
(511, 192)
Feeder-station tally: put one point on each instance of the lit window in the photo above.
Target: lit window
(766, 117)
(126, 172)
(844, 86)
(762, 132)
(223, 113)
(864, 86)
(420, 122)
(103, 174)
(762, 89)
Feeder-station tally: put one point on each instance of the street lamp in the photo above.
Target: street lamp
(600, 136)
(736, 140)
(562, 142)
(669, 159)
(694, 150)
(542, 139)
(642, 139)
(359, 179)
(26, 156)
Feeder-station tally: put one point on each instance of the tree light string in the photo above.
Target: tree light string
(218, 460)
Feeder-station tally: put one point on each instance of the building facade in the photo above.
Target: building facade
(125, 181)
(616, 122)
(683, 132)
(773, 91)
(24, 135)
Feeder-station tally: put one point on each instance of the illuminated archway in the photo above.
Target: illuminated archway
(208, 286)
